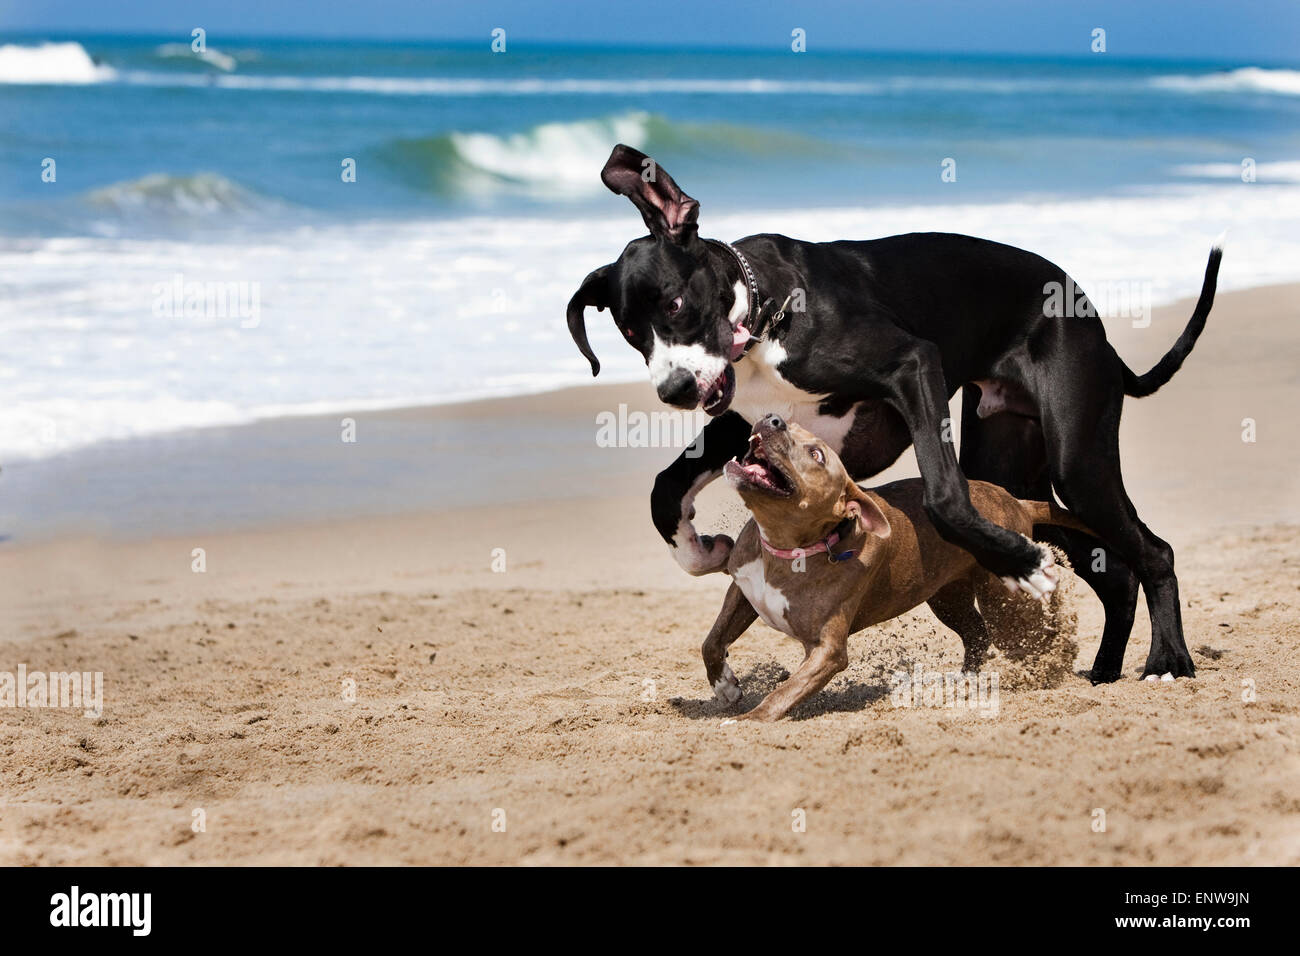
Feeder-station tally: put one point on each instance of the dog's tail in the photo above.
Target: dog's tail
(1049, 512)
(1140, 386)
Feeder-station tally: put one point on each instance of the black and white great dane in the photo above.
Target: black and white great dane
(890, 329)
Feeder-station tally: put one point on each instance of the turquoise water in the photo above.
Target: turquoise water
(443, 270)
(439, 132)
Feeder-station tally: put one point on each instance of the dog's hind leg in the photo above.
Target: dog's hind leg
(954, 606)
(736, 615)
(1082, 436)
(1115, 585)
(1008, 450)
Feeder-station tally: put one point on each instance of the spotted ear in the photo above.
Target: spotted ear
(863, 507)
(593, 291)
(668, 212)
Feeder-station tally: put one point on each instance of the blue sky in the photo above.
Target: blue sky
(1243, 31)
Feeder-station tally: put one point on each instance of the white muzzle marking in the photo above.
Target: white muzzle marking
(696, 359)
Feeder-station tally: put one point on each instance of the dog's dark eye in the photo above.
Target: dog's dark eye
(630, 334)
(817, 455)
(675, 306)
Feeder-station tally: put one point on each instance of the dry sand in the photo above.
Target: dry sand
(566, 696)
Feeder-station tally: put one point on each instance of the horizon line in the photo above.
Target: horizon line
(620, 45)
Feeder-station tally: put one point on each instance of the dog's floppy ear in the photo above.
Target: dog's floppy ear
(668, 212)
(868, 513)
(593, 291)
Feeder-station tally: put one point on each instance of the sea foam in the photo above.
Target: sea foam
(395, 313)
(51, 63)
(1246, 79)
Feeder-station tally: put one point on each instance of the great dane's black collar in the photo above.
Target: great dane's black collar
(759, 321)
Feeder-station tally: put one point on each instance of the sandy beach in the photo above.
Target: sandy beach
(459, 640)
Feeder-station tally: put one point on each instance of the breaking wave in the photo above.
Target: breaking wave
(51, 63)
(557, 158)
(1247, 79)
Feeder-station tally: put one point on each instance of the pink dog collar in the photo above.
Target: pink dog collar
(824, 545)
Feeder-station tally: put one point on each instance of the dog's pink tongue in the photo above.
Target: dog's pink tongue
(739, 339)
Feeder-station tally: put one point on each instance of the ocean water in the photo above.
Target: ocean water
(198, 259)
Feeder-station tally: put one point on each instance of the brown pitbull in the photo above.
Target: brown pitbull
(822, 559)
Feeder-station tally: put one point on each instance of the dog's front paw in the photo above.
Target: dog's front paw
(727, 688)
(1040, 582)
(703, 554)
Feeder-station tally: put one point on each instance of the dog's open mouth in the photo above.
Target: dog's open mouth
(758, 472)
(717, 395)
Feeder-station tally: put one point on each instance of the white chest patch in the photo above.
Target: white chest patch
(768, 601)
(762, 390)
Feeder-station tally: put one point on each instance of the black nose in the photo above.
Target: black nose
(775, 422)
(678, 389)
